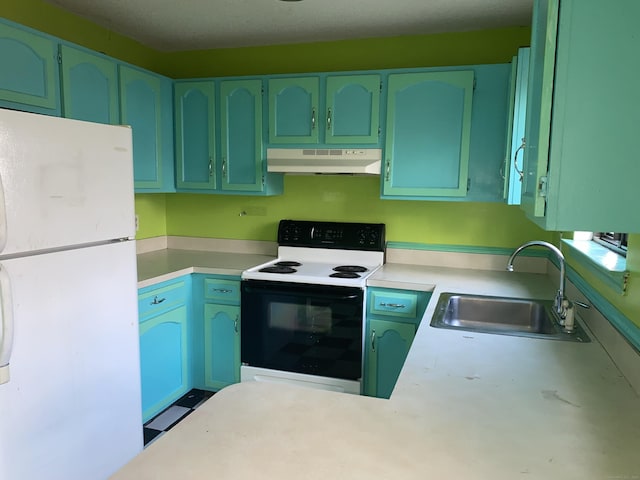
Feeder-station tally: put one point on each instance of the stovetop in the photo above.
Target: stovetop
(324, 253)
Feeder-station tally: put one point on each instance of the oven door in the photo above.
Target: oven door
(309, 329)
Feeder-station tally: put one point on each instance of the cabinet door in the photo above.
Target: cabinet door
(29, 77)
(293, 110)
(353, 109)
(513, 168)
(195, 138)
(388, 345)
(163, 360)
(428, 134)
(140, 107)
(222, 345)
(539, 102)
(89, 86)
(241, 135)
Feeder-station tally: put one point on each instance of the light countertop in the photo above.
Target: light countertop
(466, 406)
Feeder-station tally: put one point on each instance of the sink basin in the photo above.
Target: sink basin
(502, 315)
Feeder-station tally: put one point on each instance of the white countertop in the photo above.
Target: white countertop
(466, 406)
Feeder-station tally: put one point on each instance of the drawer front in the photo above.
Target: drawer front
(157, 300)
(393, 304)
(227, 291)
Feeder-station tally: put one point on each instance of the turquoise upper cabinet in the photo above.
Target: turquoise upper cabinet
(428, 134)
(294, 109)
(580, 168)
(145, 105)
(195, 135)
(514, 152)
(241, 135)
(29, 76)
(89, 86)
(353, 109)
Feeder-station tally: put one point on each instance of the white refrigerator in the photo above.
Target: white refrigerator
(69, 353)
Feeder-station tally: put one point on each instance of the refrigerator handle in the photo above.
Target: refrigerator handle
(3, 218)
(6, 325)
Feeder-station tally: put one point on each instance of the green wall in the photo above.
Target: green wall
(335, 198)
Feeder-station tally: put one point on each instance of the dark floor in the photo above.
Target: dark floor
(173, 414)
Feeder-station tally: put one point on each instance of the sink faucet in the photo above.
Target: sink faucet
(560, 303)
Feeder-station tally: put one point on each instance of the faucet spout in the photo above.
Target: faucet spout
(560, 297)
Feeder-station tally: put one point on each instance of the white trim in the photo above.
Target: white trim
(256, 374)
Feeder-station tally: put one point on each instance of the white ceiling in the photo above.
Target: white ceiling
(178, 25)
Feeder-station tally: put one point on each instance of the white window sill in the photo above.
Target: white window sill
(606, 265)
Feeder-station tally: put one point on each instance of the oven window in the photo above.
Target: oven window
(314, 331)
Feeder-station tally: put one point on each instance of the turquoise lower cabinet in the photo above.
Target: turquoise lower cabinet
(164, 344)
(146, 105)
(393, 317)
(388, 346)
(428, 134)
(89, 86)
(222, 345)
(29, 74)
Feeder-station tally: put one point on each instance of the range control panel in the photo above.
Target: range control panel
(343, 235)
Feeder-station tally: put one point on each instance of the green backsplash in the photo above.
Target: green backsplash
(345, 198)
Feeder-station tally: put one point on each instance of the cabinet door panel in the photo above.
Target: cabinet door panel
(389, 344)
(353, 109)
(241, 112)
(163, 360)
(539, 100)
(195, 147)
(293, 110)
(222, 345)
(428, 134)
(140, 107)
(30, 72)
(89, 87)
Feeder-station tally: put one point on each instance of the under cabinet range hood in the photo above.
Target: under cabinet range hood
(353, 161)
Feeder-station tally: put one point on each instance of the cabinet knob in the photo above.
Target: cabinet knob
(515, 160)
(157, 300)
(373, 340)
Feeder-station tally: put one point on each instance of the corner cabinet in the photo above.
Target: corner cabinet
(89, 86)
(29, 78)
(164, 353)
(393, 317)
(221, 332)
(582, 116)
(145, 105)
(428, 134)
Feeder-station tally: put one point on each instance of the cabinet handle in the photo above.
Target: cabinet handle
(313, 119)
(515, 160)
(235, 324)
(387, 171)
(224, 167)
(329, 119)
(210, 166)
(157, 300)
(373, 340)
(222, 290)
(393, 305)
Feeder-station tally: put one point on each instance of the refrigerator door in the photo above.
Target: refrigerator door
(63, 182)
(72, 406)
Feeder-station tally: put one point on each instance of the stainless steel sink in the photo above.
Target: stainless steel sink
(502, 315)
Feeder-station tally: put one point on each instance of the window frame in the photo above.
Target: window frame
(614, 241)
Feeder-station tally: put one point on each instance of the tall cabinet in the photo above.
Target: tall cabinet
(582, 117)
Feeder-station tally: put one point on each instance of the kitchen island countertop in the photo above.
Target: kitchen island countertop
(466, 405)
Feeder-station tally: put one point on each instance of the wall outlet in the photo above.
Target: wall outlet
(137, 223)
